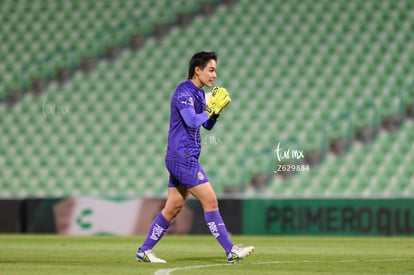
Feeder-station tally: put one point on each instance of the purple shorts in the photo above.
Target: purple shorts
(186, 173)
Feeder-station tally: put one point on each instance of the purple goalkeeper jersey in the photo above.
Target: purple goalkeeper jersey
(187, 115)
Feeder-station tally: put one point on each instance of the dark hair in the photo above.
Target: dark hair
(200, 59)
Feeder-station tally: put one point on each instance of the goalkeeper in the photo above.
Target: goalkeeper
(189, 111)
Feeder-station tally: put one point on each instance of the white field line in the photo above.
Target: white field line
(169, 271)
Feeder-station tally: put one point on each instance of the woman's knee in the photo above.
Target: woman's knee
(175, 202)
(210, 204)
(171, 211)
(206, 195)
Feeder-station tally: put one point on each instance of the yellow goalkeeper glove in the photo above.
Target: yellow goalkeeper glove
(218, 100)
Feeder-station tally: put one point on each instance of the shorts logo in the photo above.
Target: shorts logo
(200, 176)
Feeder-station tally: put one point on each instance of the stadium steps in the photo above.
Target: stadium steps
(283, 85)
(377, 168)
(58, 38)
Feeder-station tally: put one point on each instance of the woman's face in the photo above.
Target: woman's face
(207, 75)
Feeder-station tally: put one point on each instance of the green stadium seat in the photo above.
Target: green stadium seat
(324, 62)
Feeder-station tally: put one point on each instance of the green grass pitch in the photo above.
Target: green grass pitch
(199, 254)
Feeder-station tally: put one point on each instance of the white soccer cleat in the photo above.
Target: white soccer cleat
(239, 252)
(148, 257)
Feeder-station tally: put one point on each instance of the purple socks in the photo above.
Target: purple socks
(158, 228)
(213, 220)
(218, 229)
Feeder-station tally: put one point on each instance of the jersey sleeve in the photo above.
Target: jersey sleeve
(184, 101)
(192, 119)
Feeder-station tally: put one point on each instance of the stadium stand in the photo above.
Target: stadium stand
(41, 39)
(316, 76)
